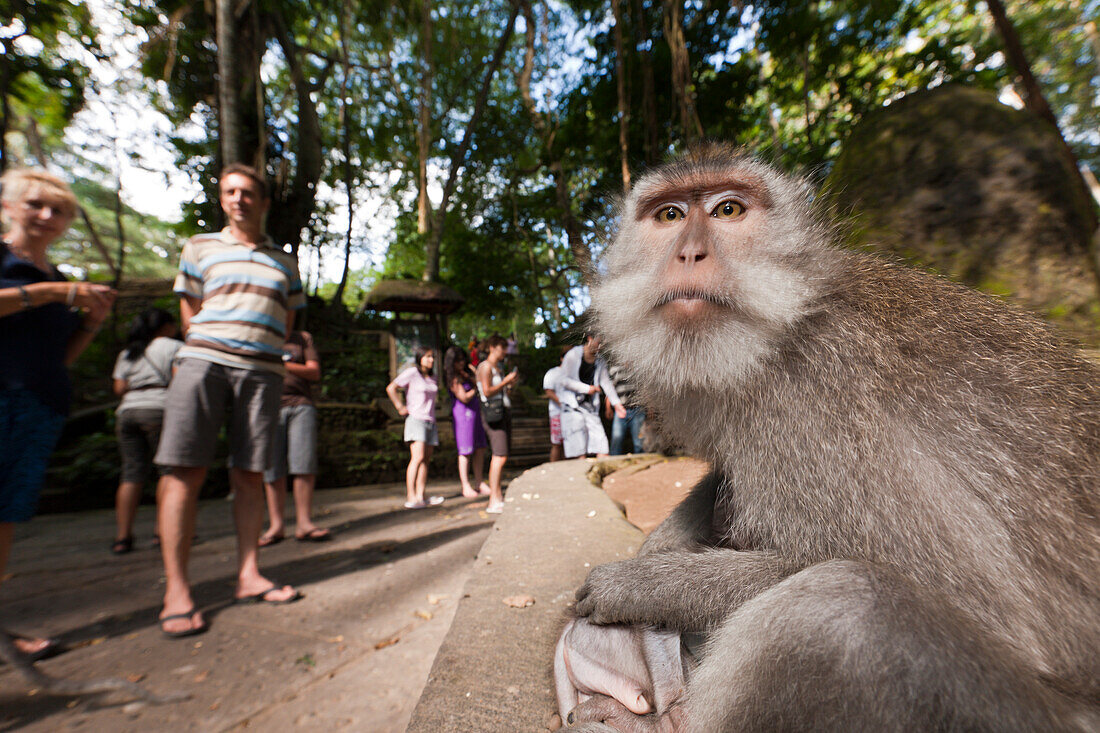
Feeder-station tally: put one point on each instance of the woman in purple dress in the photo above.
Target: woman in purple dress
(466, 411)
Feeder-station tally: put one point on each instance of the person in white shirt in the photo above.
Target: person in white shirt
(550, 388)
(584, 375)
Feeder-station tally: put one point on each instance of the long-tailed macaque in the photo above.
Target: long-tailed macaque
(900, 530)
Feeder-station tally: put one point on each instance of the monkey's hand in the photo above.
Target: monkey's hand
(678, 590)
(621, 592)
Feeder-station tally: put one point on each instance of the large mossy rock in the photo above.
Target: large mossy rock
(952, 180)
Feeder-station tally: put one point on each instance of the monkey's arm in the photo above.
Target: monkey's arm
(690, 524)
(679, 590)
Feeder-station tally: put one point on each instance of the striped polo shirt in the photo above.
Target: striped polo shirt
(245, 295)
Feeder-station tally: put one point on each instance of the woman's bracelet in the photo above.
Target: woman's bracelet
(72, 295)
(26, 297)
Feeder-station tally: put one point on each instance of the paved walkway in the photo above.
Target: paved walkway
(354, 653)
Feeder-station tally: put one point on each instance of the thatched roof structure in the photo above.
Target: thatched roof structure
(412, 296)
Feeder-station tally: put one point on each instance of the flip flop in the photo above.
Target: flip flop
(121, 547)
(185, 632)
(272, 540)
(51, 649)
(314, 535)
(435, 500)
(262, 597)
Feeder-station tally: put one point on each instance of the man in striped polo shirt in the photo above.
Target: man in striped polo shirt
(238, 294)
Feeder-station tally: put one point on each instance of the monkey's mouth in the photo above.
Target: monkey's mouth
(679, 304)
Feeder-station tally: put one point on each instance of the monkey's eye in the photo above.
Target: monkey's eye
(669, 213)
(728, 209)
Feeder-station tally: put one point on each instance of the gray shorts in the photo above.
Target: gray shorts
(294, 450)
(138, 433)
(421, 431)
(200, 397)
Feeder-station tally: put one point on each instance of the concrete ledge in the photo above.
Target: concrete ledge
(493, 670)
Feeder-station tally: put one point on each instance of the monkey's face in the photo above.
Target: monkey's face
(708, 270)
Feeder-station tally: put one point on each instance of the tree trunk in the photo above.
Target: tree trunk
(345, 139)
(1094, 41)
(423, 130)
(682, 85)
(297, 196)
(5, 108)
(121, 232)
(620, 92)
(229, 111)
(458, 158)
(259, 159)
(582, 257)
(649, 98)
(1033, 97)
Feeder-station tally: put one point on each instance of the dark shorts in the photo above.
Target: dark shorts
(138, 432)
(28, 433)
(499, 434)
(200, 398)
(294, 451)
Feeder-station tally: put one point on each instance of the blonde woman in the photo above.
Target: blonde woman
(45, 324)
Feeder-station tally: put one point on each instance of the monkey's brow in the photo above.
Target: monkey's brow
(752, 190)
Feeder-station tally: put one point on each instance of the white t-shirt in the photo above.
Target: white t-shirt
(550, 381)
(147, 376)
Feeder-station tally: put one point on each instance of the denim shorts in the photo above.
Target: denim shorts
(28, 433)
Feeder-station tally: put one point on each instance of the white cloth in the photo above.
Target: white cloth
(147, 376)
(582, 433)
(550, 381)
(572, 391)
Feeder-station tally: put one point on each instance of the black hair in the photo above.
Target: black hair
(419, 353)
(143, 329)
(452, 370)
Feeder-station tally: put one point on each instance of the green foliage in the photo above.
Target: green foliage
(43, 79)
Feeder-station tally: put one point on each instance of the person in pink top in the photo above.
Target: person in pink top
(421, 434)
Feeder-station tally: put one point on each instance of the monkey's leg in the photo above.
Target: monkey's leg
(56, 686)
(689, 526)
(846, 646)
(681, 590)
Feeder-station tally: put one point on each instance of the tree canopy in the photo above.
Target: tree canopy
(484, 143)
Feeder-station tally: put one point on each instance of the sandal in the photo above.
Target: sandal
(261, 597)
(51, 648)
(269, 540)
(121, 547)
(183, 632)
(317, 534)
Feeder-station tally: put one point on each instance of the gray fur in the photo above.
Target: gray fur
(57, 686)
(901, 529)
